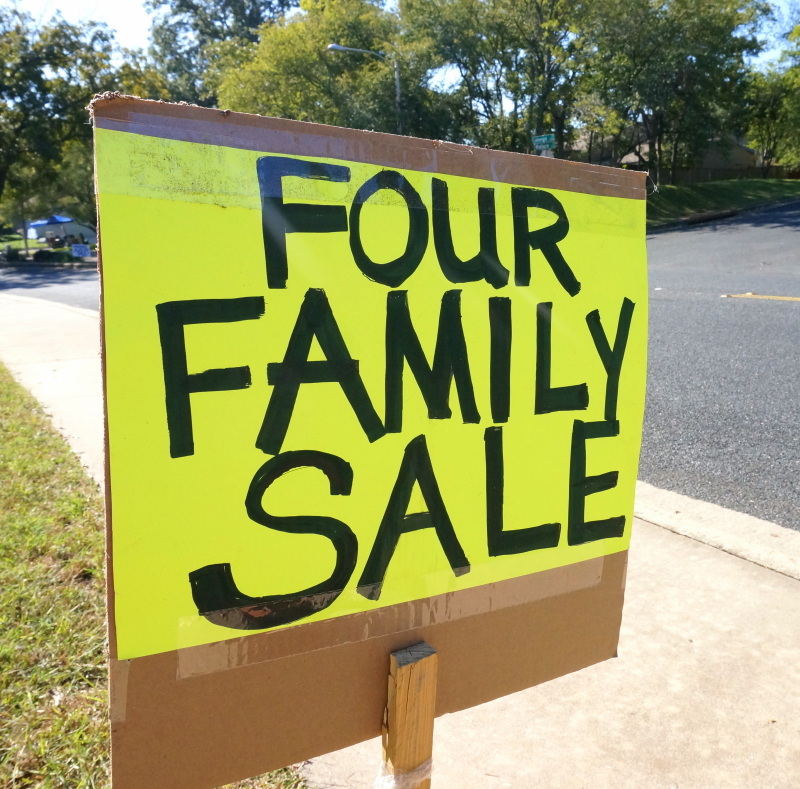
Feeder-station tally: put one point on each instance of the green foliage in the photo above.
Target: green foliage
(671, 203)
(47, 76)
(53, 694)
(772, 108)
(770, 128)
(517, 63)
(659, 79)
(186, 32)
(53, 256)
(138, 76)
(673, 72)
(662, 78)
(52, 673)
(290, 73)
(62, 186)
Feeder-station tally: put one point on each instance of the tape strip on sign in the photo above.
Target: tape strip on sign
(403, 618)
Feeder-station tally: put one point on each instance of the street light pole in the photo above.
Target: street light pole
(380, 56)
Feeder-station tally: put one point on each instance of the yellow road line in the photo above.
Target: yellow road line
(757, 296)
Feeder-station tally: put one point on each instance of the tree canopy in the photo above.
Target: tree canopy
(661, 79)
(773, 108)
(672, 72)
(46, 75)
(185, 32)
(653, 81)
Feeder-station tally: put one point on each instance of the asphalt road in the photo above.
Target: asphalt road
(76, 287)
(723, 409)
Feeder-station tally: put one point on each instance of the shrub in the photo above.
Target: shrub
(52, 256)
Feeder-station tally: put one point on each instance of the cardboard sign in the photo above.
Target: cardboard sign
(361, 390)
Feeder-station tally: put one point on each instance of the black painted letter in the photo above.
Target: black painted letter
(501, 542)
(546, 239)
(173, 316)
(500, 357)
(315, 319)
(449, 361)
(416, 467)
(579, 530)
(553, 398)
(214, 591)
(486, 264)
(611, 357)
(279, 218)
(397, 271)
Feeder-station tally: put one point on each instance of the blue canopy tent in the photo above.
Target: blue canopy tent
(62, 226)
(51, 220)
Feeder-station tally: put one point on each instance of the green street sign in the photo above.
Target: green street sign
(544, 141)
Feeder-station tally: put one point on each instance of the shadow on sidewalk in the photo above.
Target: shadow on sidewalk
(31, 276)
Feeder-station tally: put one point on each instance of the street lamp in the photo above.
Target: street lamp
(381, 56)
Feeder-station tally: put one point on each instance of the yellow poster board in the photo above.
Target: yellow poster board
(335, 386)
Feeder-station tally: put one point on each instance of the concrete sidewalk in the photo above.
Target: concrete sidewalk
(705, 691)
(54, 351)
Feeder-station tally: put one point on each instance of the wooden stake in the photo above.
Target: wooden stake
(408, 719)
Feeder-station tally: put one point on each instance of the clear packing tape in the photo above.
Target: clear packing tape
(409, 780)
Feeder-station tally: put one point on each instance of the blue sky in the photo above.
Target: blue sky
(132, 23)
(127, 18)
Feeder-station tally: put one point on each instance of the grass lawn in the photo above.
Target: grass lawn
(18, 242)
(671, 203)
(53, 694)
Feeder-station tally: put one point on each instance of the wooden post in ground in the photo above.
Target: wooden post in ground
(408, 719)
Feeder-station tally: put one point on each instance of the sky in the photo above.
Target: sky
(127, 18)
(132, 23)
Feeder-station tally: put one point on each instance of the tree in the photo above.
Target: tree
(517, 63)
(791, 152)
(48, 75)
(184, 34)
(674, 70)
(137, 75)
(770, 129)
(291, 74)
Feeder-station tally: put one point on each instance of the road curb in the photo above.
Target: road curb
(767, 544)
(73, 265)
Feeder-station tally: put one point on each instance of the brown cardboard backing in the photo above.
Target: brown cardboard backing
(276, 135)
(208, 729)
(205, 716)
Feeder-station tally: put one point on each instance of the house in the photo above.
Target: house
(729, 154)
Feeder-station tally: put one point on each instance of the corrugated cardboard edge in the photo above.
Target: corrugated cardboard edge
(188, 123)
(209, 715)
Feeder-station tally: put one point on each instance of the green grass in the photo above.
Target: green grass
(53, 692)
(671, 203)
(18, 242)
